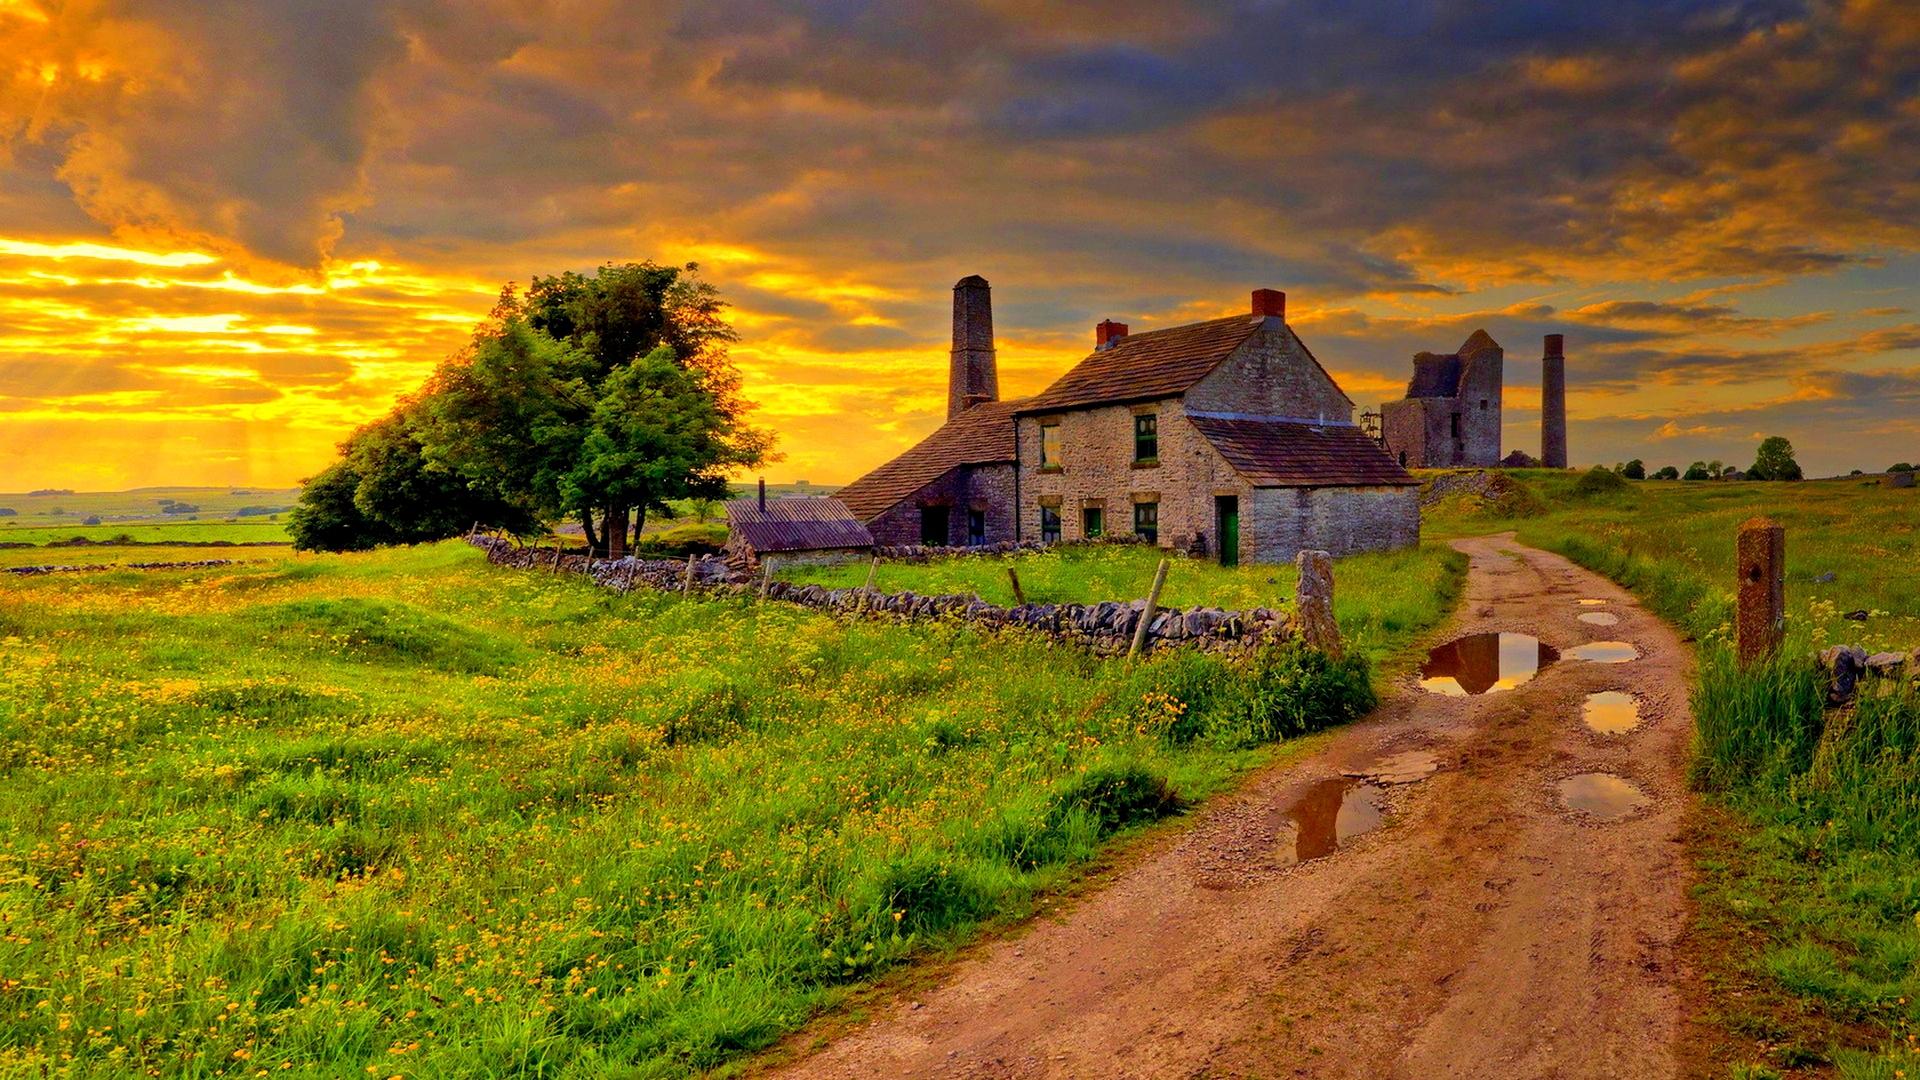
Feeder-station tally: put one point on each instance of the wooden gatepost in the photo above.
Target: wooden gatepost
(1760, 619)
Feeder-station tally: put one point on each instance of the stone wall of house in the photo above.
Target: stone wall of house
(1271, 375)
(1281, 522)
(1481, 391)
(986, 488)
(1403, 427)
(1097, 470)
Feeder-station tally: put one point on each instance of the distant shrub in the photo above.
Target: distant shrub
(8, 511)
(1634, 470)
(1902, 466)
(1599, 480)
(91, 519)
(681, 540)
(1666, 472)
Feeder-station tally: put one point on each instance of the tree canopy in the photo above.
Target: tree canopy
(1774, 460)
(594, 398)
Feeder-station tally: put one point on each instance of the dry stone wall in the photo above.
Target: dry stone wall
(1106, 628)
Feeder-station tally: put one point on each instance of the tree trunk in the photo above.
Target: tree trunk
(616, 530)
(593, 542)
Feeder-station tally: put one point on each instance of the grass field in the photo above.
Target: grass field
(1810, 865)
(84, 556)
(1379, 599)
(60, 509)
(405, 814)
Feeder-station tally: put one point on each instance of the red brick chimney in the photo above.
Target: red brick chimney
(1269, 303)
(1108, 334)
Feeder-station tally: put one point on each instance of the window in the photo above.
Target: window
(933, 526)
(1049, 524)
(1050, 446)
(976, 527)
(1146, 437)
(1483, 404)
(1093, 522)
(1146, 522)
(1456, 424)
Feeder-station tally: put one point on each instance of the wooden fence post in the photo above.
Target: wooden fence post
(1146, 614)
(1760, 620)
(556, 556)
(686, 585)
(766, 577)
(1019, 596)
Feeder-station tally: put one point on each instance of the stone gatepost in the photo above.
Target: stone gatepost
(1314, 599)
(1760, 621)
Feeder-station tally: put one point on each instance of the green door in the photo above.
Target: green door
(1226, 509)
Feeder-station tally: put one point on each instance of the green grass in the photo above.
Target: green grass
(140, 504)
(1379, 599)
(243, 530)
(1810, 872)
(404, 813)
(81, 556)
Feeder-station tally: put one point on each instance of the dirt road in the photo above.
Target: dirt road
(1482, 929)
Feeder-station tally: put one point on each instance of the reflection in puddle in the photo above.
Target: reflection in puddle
(1599, 618)
(1611, 712)
(1328, 815)
(1605, 652)
(1484, 663)
(1590, 602)
(1402, 768)
(1601, 796)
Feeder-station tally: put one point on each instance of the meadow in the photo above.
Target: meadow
(405, 814)
(1809, 855)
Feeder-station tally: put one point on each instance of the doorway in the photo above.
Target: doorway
(1226, 514)
(933, 526)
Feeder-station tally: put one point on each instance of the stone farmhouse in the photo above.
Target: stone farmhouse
(1451, 415)
(1225, 438)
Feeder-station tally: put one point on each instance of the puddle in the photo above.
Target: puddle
(1587, 601)
(1601, 796)
(1605, 652)
(1599, 618)
(1328, 815)
(1402, 768)
(1611, 712)
(1484, 664)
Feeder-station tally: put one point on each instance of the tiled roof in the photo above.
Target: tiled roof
(805, 523)
(1273, 453)
(979, 436)
(1158, 363)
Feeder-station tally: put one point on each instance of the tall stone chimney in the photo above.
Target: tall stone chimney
(1553, 403)
(974, 376)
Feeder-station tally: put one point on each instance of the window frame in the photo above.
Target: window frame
(1148, 438)
(1150, 530)
(1050, 535)
(1095, 516)
(1050, 462)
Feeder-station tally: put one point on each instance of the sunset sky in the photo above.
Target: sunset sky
(232, 230)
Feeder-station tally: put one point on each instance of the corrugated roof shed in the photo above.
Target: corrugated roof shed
(1140, 367)
(1273, 453)
(982, 435)
(804, 523)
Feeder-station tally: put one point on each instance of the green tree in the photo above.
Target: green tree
(326, 518)
(1634, 470)
(1901, 467)
(1666, 472)
(1699, 471)
(1774, 460)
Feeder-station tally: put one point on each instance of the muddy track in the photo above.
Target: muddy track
(1483, 929)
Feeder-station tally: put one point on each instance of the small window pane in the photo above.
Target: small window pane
(1049, 445)
(1093, 522)
(1146, 521)
(1146, 437)
(1049, 525)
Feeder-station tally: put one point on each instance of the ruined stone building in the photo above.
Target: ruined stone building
(1223, 437)
(1451, 415)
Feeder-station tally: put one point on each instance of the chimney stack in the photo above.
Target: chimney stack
(1269, 304)
(1108, 334)
(974, 376)
(763, 494)
(1553, 403)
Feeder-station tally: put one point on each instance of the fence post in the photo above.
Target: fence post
(1314, 600)
(556, 556)
(1019, 596)
(766, 577)
(1760, 622)
(686, 585)
(1147, 613)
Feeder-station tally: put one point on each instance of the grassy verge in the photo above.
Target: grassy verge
(402, 813)
(1380, 600)
(1809, 895)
